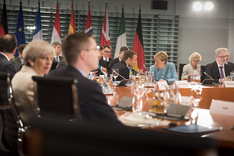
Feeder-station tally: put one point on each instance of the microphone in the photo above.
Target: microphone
(120, 75)
(208, 75)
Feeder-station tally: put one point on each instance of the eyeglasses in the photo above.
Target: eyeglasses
(97, 48)
(107, 51)
(222, 57)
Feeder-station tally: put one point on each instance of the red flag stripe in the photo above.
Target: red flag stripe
(57, 21)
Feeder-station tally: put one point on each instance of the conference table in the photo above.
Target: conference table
(225, 136)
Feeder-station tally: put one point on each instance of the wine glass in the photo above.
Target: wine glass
(115, 73)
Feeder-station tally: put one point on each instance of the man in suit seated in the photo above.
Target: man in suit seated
(81, 53)
(117, 59)
(58, 57)
(219, 70)
(129, 60)
(105, 60)
(8, 45)
(18, 61)
(100, 70)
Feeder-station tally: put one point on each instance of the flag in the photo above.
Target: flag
(37, 35)
(3, 25)
(138, 46)
(56, 34)
(89, 28)
(105, 37)
(20, 36)
(72, 25)
(121, 40)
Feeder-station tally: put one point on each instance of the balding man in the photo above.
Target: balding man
(8, 45)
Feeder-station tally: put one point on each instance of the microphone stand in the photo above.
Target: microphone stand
(208, 75)
(120, 75)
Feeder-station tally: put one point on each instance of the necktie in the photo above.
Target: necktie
(221, 72)
(57, 58)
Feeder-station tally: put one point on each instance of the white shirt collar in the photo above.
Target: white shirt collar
(105, 59)
(5, 55)
(220, 65)
(82, 72)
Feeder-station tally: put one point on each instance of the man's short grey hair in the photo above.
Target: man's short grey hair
(220, 50)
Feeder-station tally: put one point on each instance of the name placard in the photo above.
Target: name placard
(162, 85)
(186, 100)
(222, 107)
(182, 84)
(229, 84)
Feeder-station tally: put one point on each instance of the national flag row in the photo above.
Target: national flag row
(56, 34)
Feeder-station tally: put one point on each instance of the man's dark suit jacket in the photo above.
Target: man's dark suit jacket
(54, 63)
(212, 69)
(231, 65)
(93, 105)
(112, 62)
(123, 70)
(7, 66)
(17, 62)
(104, 63)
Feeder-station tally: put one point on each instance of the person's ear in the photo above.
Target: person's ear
(83, 54)
(31, 63)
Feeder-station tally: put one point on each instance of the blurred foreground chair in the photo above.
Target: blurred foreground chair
(57, 98)
(66, 138)
(13, 129)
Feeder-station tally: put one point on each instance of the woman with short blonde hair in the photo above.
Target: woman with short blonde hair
(38, 56)
(162, 69)
(193, 68)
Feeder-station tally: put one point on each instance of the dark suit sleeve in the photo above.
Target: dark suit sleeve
(95, 103)
(211, 72)
(124, 72)
(10, 68)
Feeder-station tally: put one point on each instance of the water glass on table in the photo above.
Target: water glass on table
(196, 94)
(138, 93)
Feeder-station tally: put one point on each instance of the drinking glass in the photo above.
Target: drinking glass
(150, 77)
(232, 76)
(196, 94)
(138, 92)
(115, 73)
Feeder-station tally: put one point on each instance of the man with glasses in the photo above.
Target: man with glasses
(219, 70)
(105, 60)
(81, 53)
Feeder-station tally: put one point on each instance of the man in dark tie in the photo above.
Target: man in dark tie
(129, 60)
(105, 60)
(58, 57)
(219, 70)
(81, 53)
(18, 61)
(8, 45)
